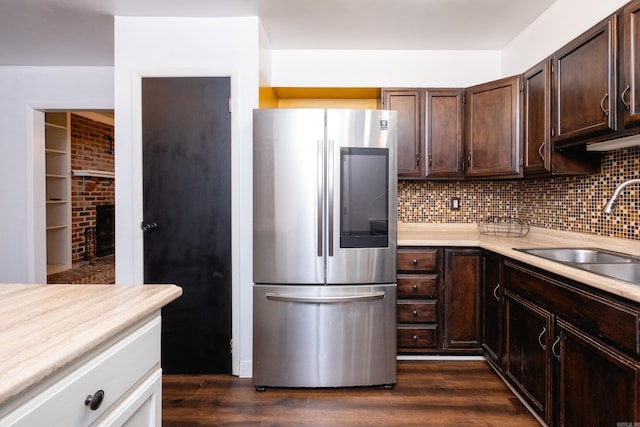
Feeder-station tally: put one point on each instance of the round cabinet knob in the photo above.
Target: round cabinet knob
(415, 262)
(415, 313)
(94, 401)
(415, 287)
(415, 337)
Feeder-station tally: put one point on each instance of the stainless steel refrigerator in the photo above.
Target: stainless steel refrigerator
(324, 260)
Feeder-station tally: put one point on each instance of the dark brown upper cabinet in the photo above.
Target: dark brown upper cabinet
(408, 104)
(629, 87)
(540, 158)
(584, 91)
(492, 133)
(444, 124)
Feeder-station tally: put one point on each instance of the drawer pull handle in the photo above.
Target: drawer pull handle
(415, 313)
(415, 337)
(495, 292)
(94, 402)
(544, 329)
(415, 262)
(415, 287)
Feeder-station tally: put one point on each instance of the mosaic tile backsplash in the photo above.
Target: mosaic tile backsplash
(560, 203)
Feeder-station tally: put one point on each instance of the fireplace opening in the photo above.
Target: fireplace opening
(105, 230)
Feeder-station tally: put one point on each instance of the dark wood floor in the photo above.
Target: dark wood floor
(428, 393)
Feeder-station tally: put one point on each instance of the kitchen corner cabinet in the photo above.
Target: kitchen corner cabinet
(58, 191)
(461, 308)
(572, 346)
(444, 125)
(491, 295)
(408, 104)
(117, 384)
(584, 78)
(629, 87)
(492, 133)
(540, 158)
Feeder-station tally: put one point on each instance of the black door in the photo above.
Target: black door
(186, 139)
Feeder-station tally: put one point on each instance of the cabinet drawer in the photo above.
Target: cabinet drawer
(418, 336)
(417, 312)
(418, 286)
(418, 260)
(114, 368)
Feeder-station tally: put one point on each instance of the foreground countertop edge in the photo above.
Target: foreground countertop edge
(67, 322)
(467, 235)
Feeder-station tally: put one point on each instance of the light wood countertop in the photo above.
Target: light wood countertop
(44, 328)
(467, 235)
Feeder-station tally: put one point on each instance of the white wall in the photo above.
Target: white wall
(146, 47)
(369, 68)
(24, 91)
(558, 25)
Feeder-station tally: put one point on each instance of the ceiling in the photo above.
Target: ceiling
(80, 32)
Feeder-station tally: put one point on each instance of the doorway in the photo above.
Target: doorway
(186, 146)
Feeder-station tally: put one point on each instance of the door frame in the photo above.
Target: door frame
(129, 211)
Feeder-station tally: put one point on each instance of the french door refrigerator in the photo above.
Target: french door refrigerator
(324, 260)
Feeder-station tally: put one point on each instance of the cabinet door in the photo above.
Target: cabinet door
(528, 329)
(597, 385)
(537, 119)
(492, 136)
(492, 313)
(408, 104)
(540, 158)
(461, 299)
(584, 85)
(443, 133)
(630, 75)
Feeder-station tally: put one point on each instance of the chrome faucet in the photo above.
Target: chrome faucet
(611, 204)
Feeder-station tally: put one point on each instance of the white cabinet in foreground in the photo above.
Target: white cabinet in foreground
(118, 383)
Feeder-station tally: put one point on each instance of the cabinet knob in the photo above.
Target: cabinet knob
(415, 287)
(415, 337)
(415, 313)
(415, 262)
(94, 401)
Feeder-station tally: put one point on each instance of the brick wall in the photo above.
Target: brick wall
(88, 152)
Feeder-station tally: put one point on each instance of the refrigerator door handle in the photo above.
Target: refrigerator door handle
(319, 191)
(324, 300)
(330, 183)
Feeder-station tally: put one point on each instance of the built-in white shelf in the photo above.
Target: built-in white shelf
(93, 173)
(58, 191)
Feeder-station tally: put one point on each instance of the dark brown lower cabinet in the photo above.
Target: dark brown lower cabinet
(528, 328)
(438, 308)
(491, 302)
(597, 385)
(462, 299)
(570, 352)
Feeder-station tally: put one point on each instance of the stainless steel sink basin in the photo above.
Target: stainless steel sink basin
(627, 272)
(580, 255)
(599, 261)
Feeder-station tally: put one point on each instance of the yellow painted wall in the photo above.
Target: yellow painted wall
(290, 97)
(267, 98)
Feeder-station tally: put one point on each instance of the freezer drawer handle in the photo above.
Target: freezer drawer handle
(324, 300)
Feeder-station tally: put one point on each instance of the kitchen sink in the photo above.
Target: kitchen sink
(599, 261)
(581, 255)
(628, 272)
